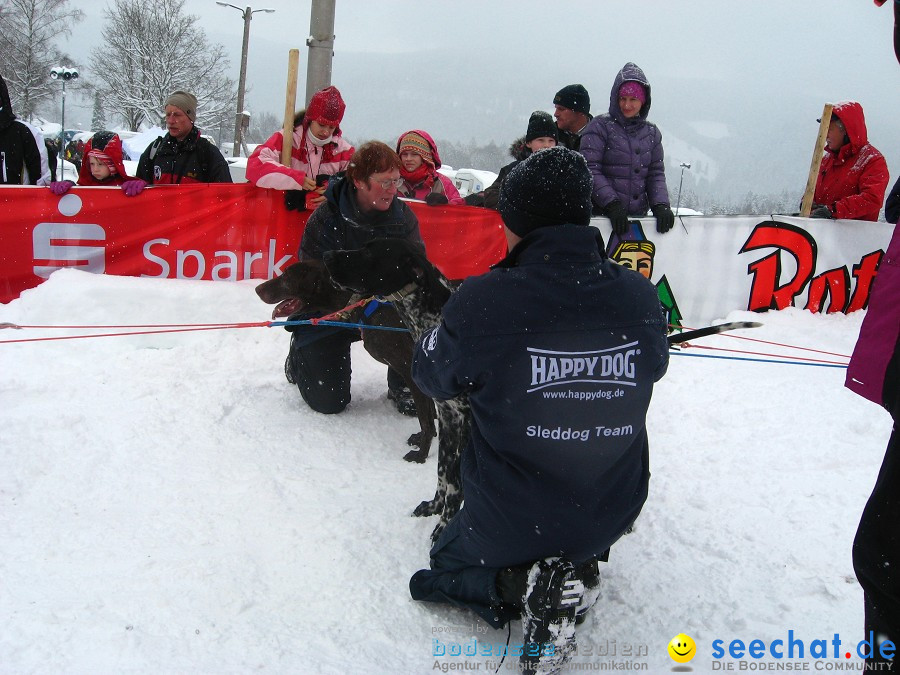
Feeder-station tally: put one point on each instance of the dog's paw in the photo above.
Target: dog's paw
(421, 440)
(418, 456)
(428, 508)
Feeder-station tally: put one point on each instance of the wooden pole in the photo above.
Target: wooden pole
(290, 101)
(806, 204)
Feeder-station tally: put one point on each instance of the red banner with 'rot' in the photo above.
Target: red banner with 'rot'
(219, 232)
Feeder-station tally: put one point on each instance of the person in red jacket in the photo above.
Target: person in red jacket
(853, 176)
(421, 179)
(102, 165)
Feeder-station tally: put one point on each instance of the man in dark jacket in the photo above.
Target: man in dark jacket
(557, 349)
(572, 110)
(19, 152)
(358, 208)
(182, 156)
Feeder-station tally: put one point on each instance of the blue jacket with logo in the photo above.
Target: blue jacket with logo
(558, 349)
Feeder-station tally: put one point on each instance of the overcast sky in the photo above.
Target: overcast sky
(757, 72)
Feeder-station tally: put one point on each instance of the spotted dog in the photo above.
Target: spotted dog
(396, 270)
(307, 286)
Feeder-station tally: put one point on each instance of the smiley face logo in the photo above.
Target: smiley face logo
(682, 648)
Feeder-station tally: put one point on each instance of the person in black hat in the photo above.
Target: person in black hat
(541, 133)
(557, 348)
(572, 110)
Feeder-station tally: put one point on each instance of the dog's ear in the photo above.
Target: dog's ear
(410, 261)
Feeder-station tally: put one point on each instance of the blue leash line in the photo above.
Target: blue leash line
(744, 358)
(339, 324)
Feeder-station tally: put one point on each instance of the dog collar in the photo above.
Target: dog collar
(373, 306)
(401, 293)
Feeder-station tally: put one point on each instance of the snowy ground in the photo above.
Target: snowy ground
(168, 505)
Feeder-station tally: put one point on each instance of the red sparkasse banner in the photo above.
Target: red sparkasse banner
(219, 232)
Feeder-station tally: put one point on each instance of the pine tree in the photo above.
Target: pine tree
(98, 120)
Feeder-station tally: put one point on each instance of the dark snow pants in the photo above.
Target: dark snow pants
(321, 369)
(876, 550)
(456, 577)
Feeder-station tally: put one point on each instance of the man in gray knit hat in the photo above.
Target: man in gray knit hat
(182, 156)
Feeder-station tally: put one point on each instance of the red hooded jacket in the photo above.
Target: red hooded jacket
(853, 180)
(434, 182)
(110, 145)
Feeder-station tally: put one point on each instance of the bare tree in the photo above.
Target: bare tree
(29, 31)
(262, 126)
(155, 49)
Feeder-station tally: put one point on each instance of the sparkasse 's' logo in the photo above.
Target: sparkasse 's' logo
(551, 368)
(49, 245)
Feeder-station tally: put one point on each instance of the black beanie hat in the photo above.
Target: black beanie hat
(551, 187)
(541, 125)
(574, 97)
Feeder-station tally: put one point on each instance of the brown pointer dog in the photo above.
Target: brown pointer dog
(306, 285)
(396, 270)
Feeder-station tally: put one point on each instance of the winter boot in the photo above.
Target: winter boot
(551, 601)
(589, 574)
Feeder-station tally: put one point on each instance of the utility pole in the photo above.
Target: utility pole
(321, 46)
(247, 15)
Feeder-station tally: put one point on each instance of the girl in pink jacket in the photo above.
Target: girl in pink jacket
(421, 179)
(318, 150)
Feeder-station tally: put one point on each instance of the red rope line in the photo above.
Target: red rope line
(170, 328)
(774, 344)
(328, 317)
(253, 324)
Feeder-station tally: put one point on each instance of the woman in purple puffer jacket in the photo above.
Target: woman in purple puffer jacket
(625, 155)
(874, 373)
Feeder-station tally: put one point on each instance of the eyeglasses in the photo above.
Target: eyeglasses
(385, 184)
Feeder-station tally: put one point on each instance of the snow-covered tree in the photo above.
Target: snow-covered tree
(153, 48)
(29, 32)
(262, 126)
(98, 119)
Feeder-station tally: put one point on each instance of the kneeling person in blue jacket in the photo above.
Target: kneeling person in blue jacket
(557, 349)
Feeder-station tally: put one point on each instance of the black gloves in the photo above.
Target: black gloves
(617, 216)
(665, 219)
(295, 200)
(821, 212)
(474, 199)
(436, 199)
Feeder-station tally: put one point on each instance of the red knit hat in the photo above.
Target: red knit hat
(326, 107)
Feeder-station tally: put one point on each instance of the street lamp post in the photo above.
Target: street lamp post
(247, 15)
(64, 74)
(684, 165)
